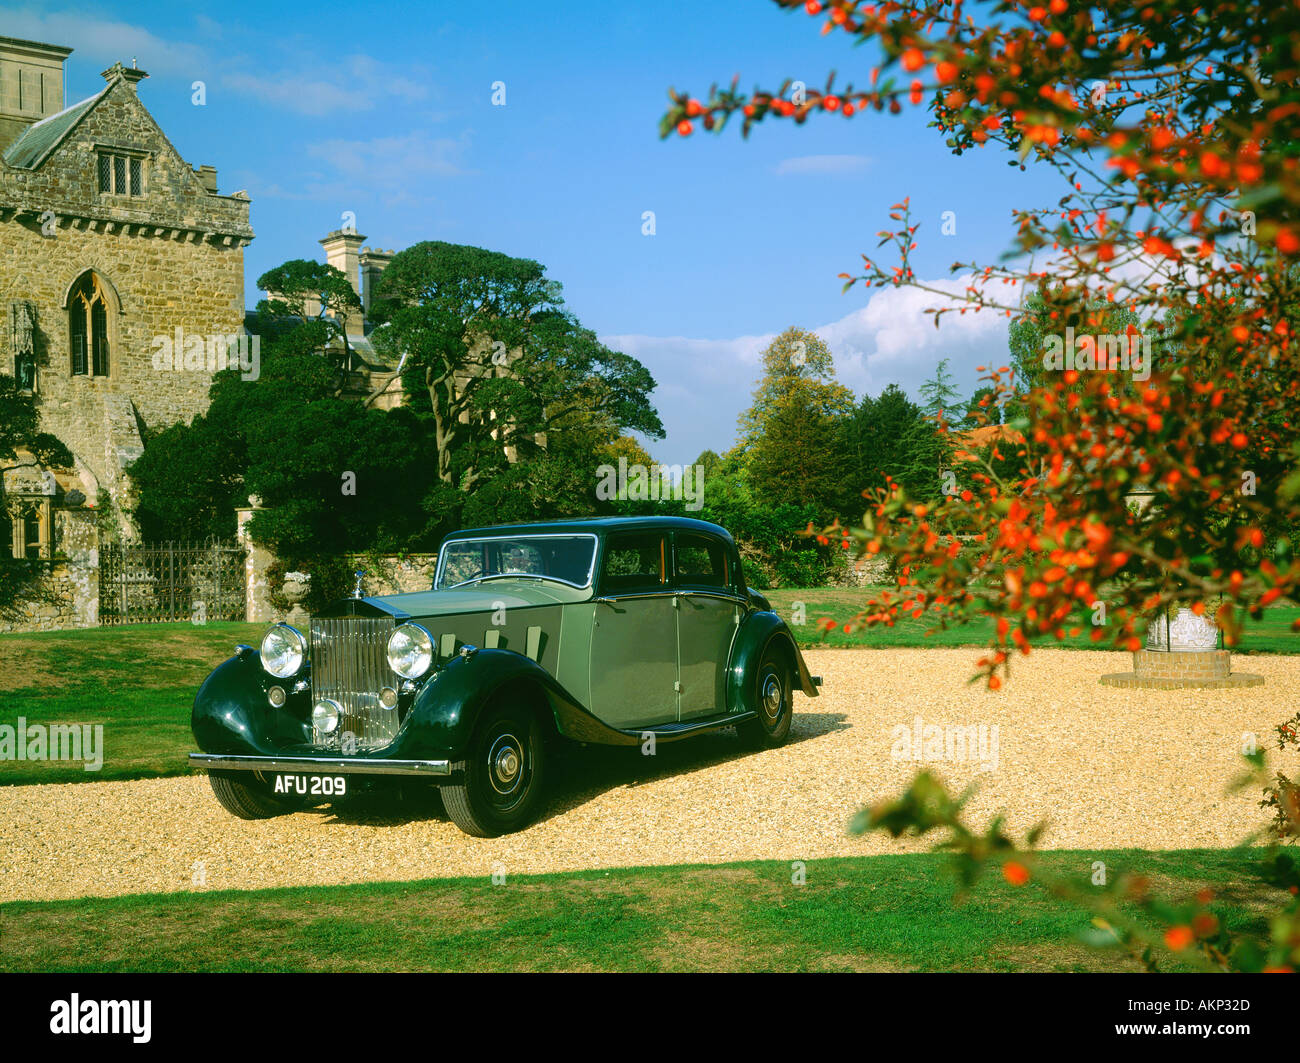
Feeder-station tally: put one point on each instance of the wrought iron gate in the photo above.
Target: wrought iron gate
(167, 582)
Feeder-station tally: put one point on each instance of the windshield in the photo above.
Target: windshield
(564, 558)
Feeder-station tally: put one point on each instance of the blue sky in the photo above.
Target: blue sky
(324, 108)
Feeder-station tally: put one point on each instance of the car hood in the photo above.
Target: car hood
(483, 597)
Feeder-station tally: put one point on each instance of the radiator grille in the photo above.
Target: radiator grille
(349, 664)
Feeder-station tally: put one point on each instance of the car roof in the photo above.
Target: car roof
(594, 526)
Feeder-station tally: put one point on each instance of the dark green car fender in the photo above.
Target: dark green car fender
(449, 705)
(759, 630)
(231, 712)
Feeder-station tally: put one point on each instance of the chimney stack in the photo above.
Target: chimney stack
(341, 247)
(373, 264)
(208, 175)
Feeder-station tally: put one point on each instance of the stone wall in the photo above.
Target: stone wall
(71, 583)
(396, 575)
(866, 571)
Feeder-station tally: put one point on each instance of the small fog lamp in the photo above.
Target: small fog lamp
(325, 716)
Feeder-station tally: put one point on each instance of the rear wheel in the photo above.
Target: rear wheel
(501, 777)
(246, 795)
(773, 701)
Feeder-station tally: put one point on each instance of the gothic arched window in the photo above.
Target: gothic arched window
(88, 326)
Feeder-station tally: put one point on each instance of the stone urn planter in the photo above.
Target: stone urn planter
(1182, 652)
(296, 587)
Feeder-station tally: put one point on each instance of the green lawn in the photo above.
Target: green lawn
(853, 914)
(1271, 634)
(138, 681)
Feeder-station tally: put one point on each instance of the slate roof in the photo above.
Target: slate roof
(37, 141)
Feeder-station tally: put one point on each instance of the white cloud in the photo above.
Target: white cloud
(822, 165)
(354, 83)
(704, 385)
(104, 40)
(394, 169)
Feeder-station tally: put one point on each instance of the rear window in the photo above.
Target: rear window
(702, 562)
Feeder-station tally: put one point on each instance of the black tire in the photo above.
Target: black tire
(245, 795)
(501, 778)
(773, 695)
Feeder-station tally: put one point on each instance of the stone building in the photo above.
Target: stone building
(373, 381)
(121, 266)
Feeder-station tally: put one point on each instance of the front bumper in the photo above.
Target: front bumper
(336, 765)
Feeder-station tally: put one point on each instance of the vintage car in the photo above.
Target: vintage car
(615, 631)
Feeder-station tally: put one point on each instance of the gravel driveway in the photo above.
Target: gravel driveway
(1109, 768)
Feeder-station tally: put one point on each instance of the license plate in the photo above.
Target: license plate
(312, 785)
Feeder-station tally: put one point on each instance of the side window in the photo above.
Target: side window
(635, 563)
(702, 562)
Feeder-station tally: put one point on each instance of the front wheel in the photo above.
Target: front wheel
(773, 701)
(501, 777)
(248, 796)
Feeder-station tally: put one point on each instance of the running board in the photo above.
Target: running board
(671, 732)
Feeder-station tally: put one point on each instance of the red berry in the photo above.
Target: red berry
(685, 128)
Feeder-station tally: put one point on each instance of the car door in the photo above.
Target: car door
(709, 608)
(634, 634)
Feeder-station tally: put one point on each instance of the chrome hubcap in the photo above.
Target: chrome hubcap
(505, 764)
(772, 697)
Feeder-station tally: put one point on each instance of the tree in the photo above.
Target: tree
(710, 462)
(624, 447)
(795, 460)
(189, 480)
(495, 360)
(306, 291)
(20, 428)
(1027, 337)
(876, 440)
(1172, 131)
(789, 432)
(939, 393)
(796, 360)
(983, 408)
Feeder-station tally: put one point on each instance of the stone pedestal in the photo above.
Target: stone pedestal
(1164, 669)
